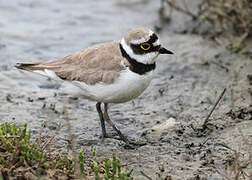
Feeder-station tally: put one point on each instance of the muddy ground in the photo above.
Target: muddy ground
(185, 88)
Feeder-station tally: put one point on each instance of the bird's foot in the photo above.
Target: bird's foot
(133, 143)
(129, 143)
(110, 136)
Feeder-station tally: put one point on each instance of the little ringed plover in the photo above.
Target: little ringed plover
(112, 72)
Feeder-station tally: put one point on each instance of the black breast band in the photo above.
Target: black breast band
(137, 67)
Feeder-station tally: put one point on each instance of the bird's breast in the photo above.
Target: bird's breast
(126, 87)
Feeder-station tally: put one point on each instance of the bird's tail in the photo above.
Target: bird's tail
(43, 68)
(30, 66)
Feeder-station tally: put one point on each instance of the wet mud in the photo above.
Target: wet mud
(169, 115)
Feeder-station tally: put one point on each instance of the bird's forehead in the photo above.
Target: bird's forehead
(138, 36)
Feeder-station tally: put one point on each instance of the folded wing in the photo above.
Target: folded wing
(99, 63)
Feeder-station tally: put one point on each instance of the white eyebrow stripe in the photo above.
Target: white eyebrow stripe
(156, 43)
(138, 41)
(151, 33)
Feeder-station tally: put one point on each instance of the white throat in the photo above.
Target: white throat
(148, 58)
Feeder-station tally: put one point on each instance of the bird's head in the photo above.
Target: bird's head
(143, 45)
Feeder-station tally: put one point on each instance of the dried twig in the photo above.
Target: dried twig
(212, 110)
(51, 139)
(38, 138)
(223, 15)
(72, 143)
(8, 136)
(145, 175)
(236, 169)
(178, 8)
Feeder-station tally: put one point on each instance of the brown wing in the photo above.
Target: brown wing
(99, 63)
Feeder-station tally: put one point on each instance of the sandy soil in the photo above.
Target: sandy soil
(169, 115)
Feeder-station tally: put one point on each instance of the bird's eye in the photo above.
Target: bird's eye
(145, 46)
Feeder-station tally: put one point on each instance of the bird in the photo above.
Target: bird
(110, 72)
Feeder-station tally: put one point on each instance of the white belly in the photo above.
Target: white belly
(128, 86)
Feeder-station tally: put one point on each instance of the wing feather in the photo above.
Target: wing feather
(99, 63)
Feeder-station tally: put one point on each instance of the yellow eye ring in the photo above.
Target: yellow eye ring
(145, 46)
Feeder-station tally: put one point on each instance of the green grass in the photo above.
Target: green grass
(19, 156)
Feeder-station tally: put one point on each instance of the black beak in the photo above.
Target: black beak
(162, 50)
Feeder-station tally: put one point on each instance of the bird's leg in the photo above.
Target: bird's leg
(98, 107)
(122, 137)
(106, 117)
